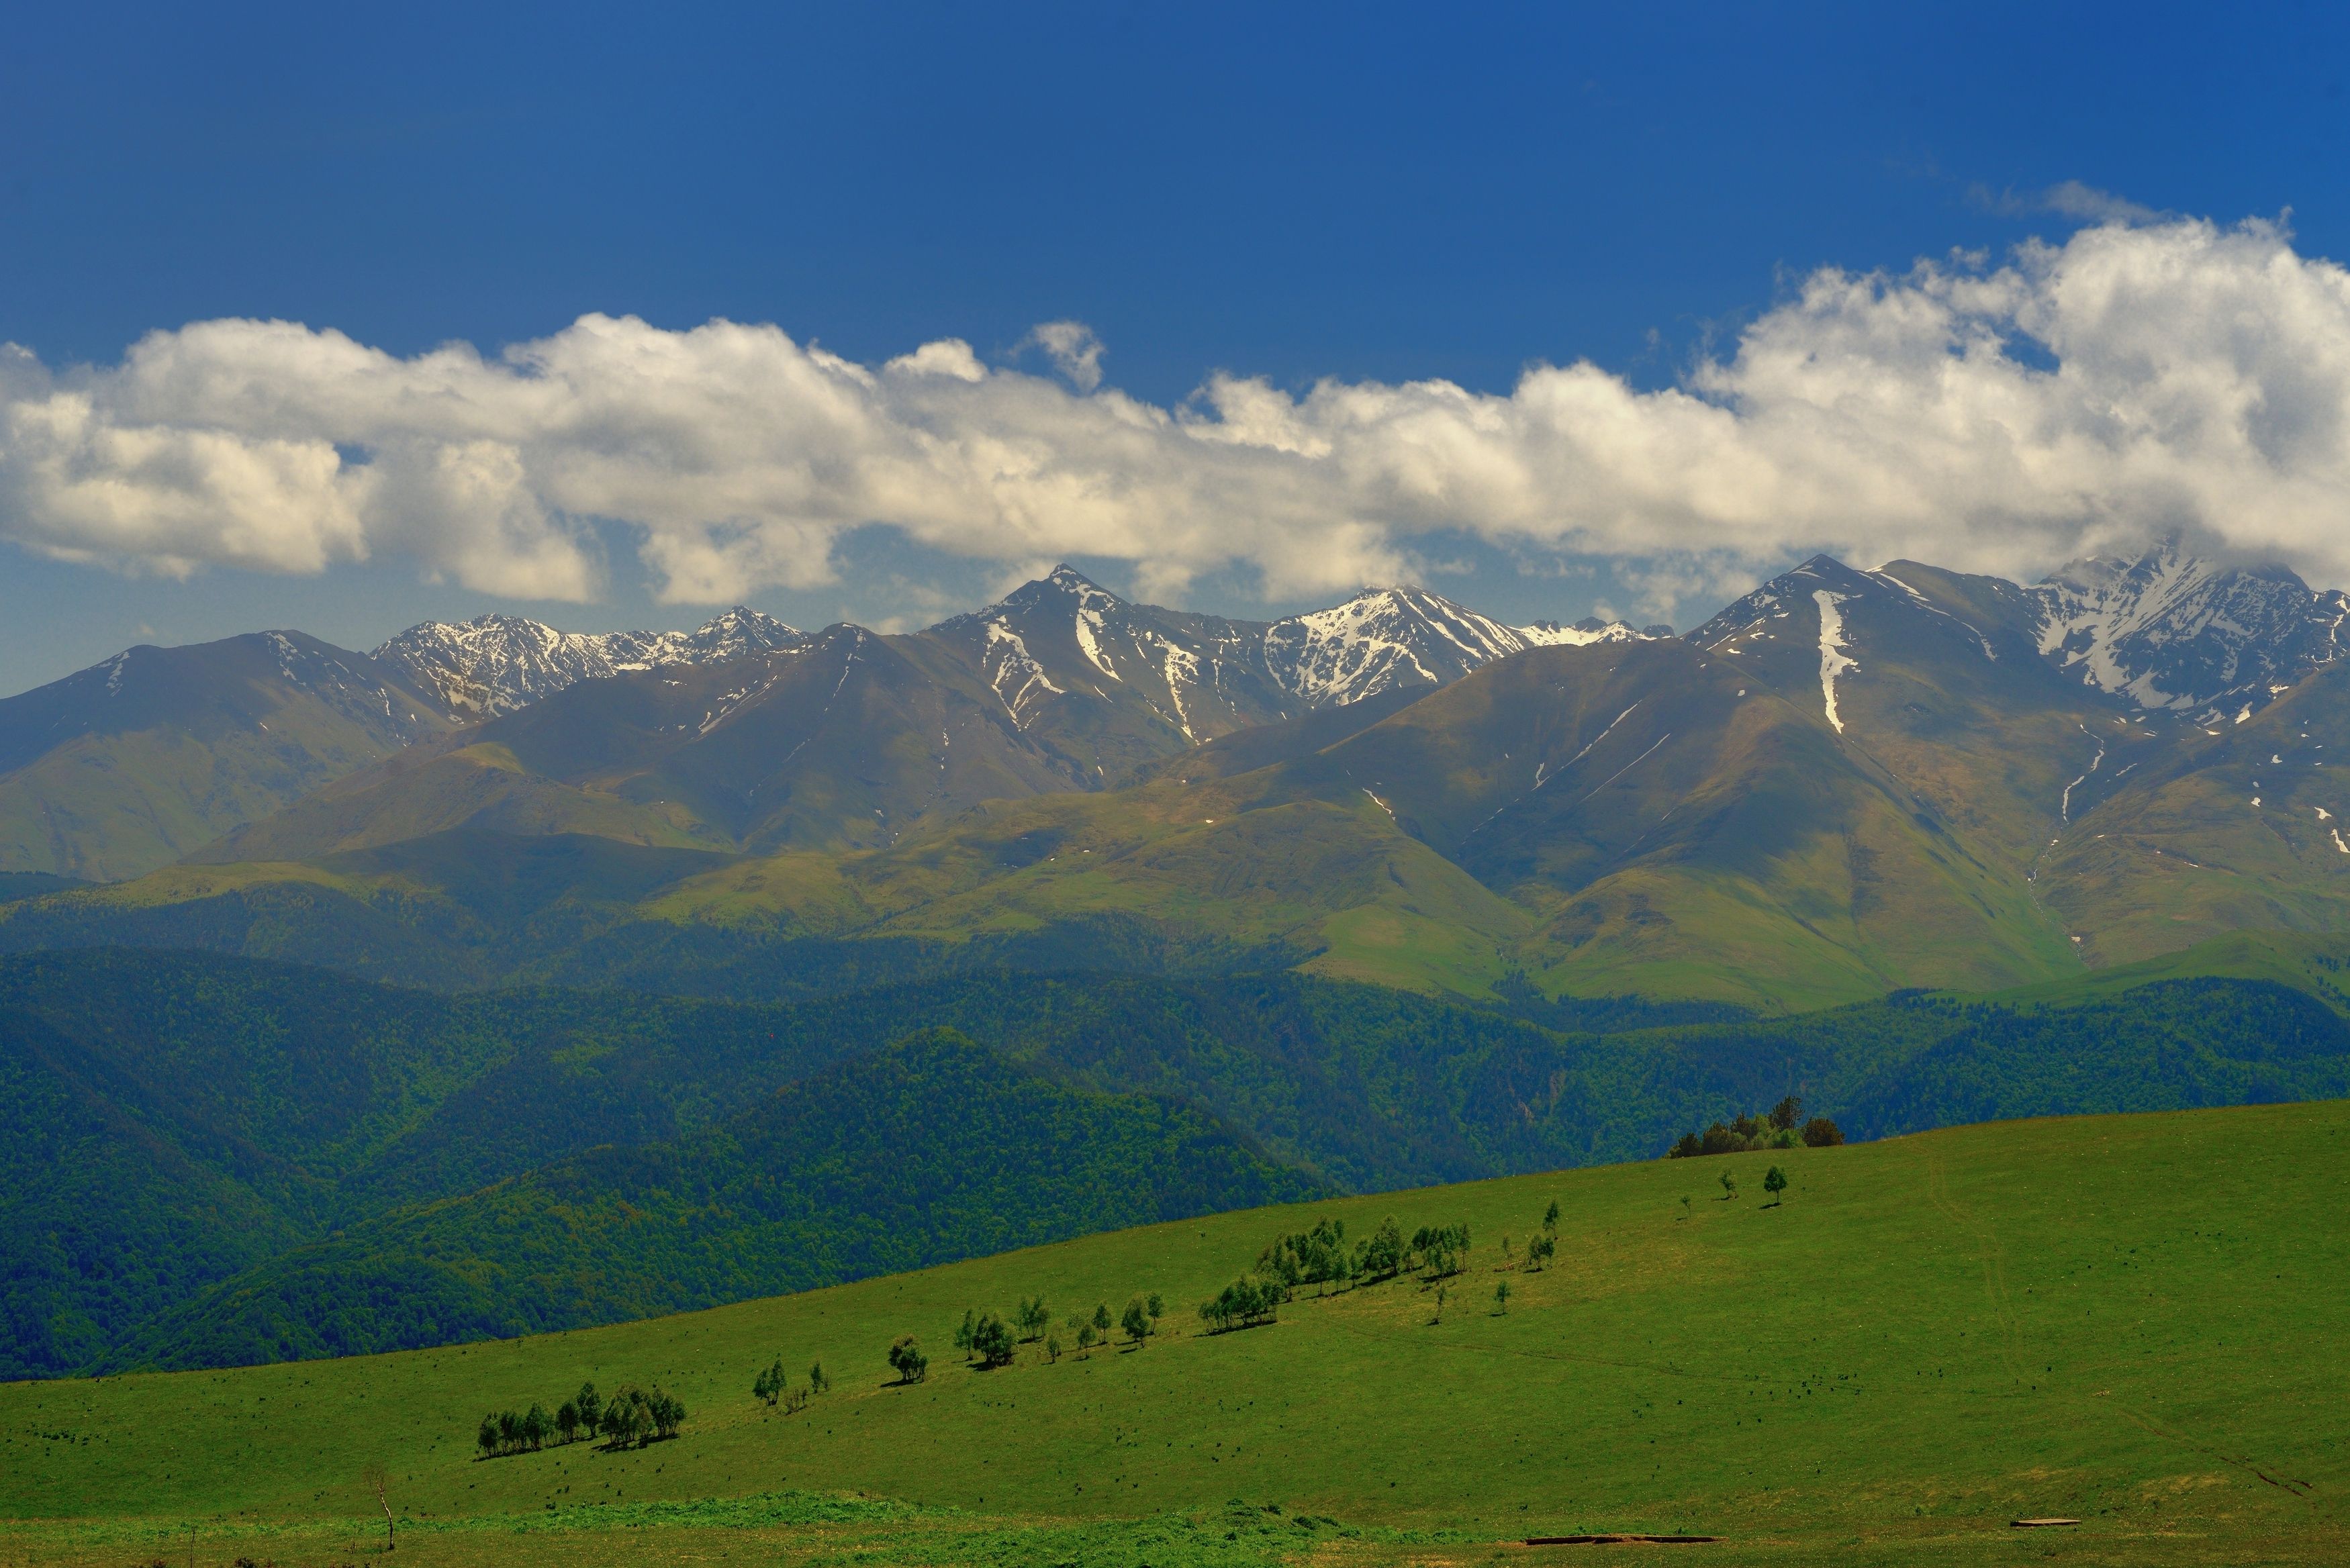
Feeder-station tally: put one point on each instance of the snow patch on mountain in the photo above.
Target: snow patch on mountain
(1833, 661)
(1014, 673)
(494, 664)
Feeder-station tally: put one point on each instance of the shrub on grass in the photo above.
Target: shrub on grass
(906, 1360)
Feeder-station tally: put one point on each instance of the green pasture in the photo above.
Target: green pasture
(2138, 1321)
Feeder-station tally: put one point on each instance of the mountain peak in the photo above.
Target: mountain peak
(2171, 629)
(496, 663)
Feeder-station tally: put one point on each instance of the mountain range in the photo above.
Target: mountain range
(1847, 782)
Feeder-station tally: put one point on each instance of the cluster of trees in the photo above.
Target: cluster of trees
(988, 1340)
(776, 1387)
(1773, 1129)
(631, 1417)
(1247, 1301)
(1543, 1245)
(1321, 1257)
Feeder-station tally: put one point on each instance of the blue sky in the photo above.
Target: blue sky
(1375, 195)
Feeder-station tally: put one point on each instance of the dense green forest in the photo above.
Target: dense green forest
(927, 1150)
(171, 1120)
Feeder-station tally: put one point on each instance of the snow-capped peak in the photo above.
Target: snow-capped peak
(2170, 631)
(1386, 638)
(496, 663)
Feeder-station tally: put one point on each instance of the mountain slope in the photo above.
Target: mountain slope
(131, 764)
(927, 1150)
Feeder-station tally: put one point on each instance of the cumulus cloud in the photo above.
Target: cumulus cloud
(2143, 377)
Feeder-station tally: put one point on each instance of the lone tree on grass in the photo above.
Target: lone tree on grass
(1550, 1216)
(1729, 1187)
(906, 1360)
(819, 1380)
(1138, 1321)
(1502, 1296)
(1774, 1183)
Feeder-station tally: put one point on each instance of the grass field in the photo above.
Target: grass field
(2136, 1320)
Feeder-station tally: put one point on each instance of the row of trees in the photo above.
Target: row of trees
(631, 1417)
(990, 1342)
(1321, 1257)
(1318, 1256)
(1774, 1129)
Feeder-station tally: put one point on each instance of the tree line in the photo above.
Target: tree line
(1774, 1128)
(1319, 1255)
(630, 1418)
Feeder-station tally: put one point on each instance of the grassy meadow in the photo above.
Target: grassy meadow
(2136, 1320)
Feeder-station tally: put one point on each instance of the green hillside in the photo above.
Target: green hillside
(2118, 1320)
(476, 1165)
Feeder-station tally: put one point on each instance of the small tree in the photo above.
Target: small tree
(1540, 1250)
(1031, 1317)
(1785, 1114)
(1685, 1205)
(1729, 1187)
(962, 1336)
(487, 1437)
(567, 1420)
(591, 1409)
(906, 1360)
(1502, 1296)
(1156, 1307)
(819, 1381)
(1550, 1216)
(1052, 1347)
(1774, 1183)
(1439, 1305)
(1085, 1337)
(1506, 1249)
(1101, 1319)
(1821, 1132)
(538, 1426)
(769, 1386)
(1137, 1322)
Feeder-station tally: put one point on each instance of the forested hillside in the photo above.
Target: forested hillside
(926, 1150)
(171, 1120)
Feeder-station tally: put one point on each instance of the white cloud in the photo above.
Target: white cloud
(2141, 376)
(1073, 347)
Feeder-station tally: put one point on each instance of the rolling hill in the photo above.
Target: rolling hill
(2110, 1320)
(212, 1159)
